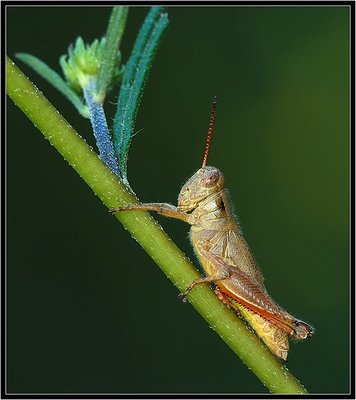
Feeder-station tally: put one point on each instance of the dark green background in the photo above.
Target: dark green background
(88, 311)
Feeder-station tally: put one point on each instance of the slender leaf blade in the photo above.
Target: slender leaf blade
(134, 78)
(113, 37)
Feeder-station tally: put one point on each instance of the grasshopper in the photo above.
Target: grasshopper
(225, 256)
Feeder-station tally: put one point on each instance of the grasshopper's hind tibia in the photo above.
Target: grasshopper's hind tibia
(227, 301)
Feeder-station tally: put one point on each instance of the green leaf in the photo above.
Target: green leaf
(108, 66)
(55, 80)
(135, 75)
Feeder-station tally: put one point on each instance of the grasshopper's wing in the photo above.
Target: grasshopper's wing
(242, 289)
(233, 248)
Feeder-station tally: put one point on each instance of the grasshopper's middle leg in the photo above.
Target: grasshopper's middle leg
(168, 210)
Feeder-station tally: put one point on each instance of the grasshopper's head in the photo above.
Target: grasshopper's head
(205, 182)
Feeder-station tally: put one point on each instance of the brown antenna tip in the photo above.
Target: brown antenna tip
(210, 132)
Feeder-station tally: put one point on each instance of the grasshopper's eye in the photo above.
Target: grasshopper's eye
(210, 178)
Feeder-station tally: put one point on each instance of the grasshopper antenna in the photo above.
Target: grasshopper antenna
(210, 132)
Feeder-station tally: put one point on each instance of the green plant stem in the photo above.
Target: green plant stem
(148, 233)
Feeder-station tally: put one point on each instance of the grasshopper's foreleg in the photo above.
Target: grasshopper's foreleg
(168, 210)
(207, 279)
